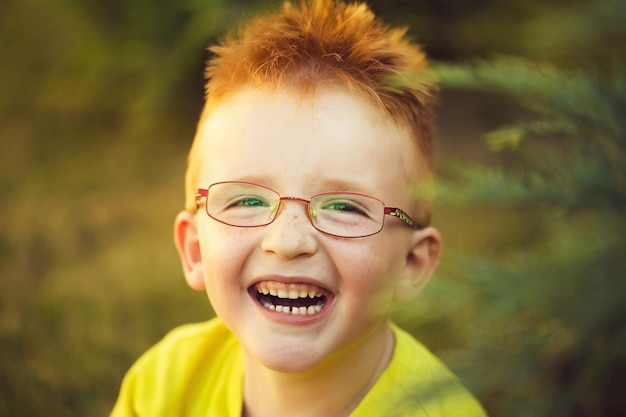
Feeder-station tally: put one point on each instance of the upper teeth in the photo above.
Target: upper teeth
(291, 291)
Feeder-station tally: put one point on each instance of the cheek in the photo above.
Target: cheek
(224, 252)
(371, 268)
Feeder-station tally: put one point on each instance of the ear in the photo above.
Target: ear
(421, 262)
(188, 246)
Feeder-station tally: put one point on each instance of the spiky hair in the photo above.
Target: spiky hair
(324, 43)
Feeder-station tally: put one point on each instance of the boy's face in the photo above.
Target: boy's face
(301, 147)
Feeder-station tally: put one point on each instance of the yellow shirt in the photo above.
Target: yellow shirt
(197, 371)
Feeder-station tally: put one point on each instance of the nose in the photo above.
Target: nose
(291, 234)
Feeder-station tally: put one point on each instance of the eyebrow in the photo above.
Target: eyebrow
(322, 186)
(342, 185)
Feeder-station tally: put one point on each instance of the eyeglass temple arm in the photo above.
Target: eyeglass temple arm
(201, 192)
(401, 214)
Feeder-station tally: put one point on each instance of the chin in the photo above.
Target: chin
(298, 359)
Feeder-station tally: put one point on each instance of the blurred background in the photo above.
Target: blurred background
(98, 106)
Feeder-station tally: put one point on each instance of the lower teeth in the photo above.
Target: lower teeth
(294, 310)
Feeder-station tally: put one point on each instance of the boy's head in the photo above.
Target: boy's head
(315, 124)
(320, 44)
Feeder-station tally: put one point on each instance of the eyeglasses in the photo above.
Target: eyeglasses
(341, 214)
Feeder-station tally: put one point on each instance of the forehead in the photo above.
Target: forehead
(304, 142)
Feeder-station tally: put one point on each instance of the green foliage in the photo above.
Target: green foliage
(547, 329)
(574, 104)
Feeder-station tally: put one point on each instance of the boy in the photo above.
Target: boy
(311, 135)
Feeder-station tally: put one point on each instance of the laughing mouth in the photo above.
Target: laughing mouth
(295, 299)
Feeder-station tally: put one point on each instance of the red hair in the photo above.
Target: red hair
(319, 43)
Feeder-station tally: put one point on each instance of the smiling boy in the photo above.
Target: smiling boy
(311, 137)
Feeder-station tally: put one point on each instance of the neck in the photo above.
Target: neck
(341, 381)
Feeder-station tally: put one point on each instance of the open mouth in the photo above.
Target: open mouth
(295, 299)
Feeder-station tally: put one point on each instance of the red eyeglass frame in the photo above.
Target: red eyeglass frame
(389, 211)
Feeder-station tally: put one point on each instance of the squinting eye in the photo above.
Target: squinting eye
(248, 201)
(343, 206)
